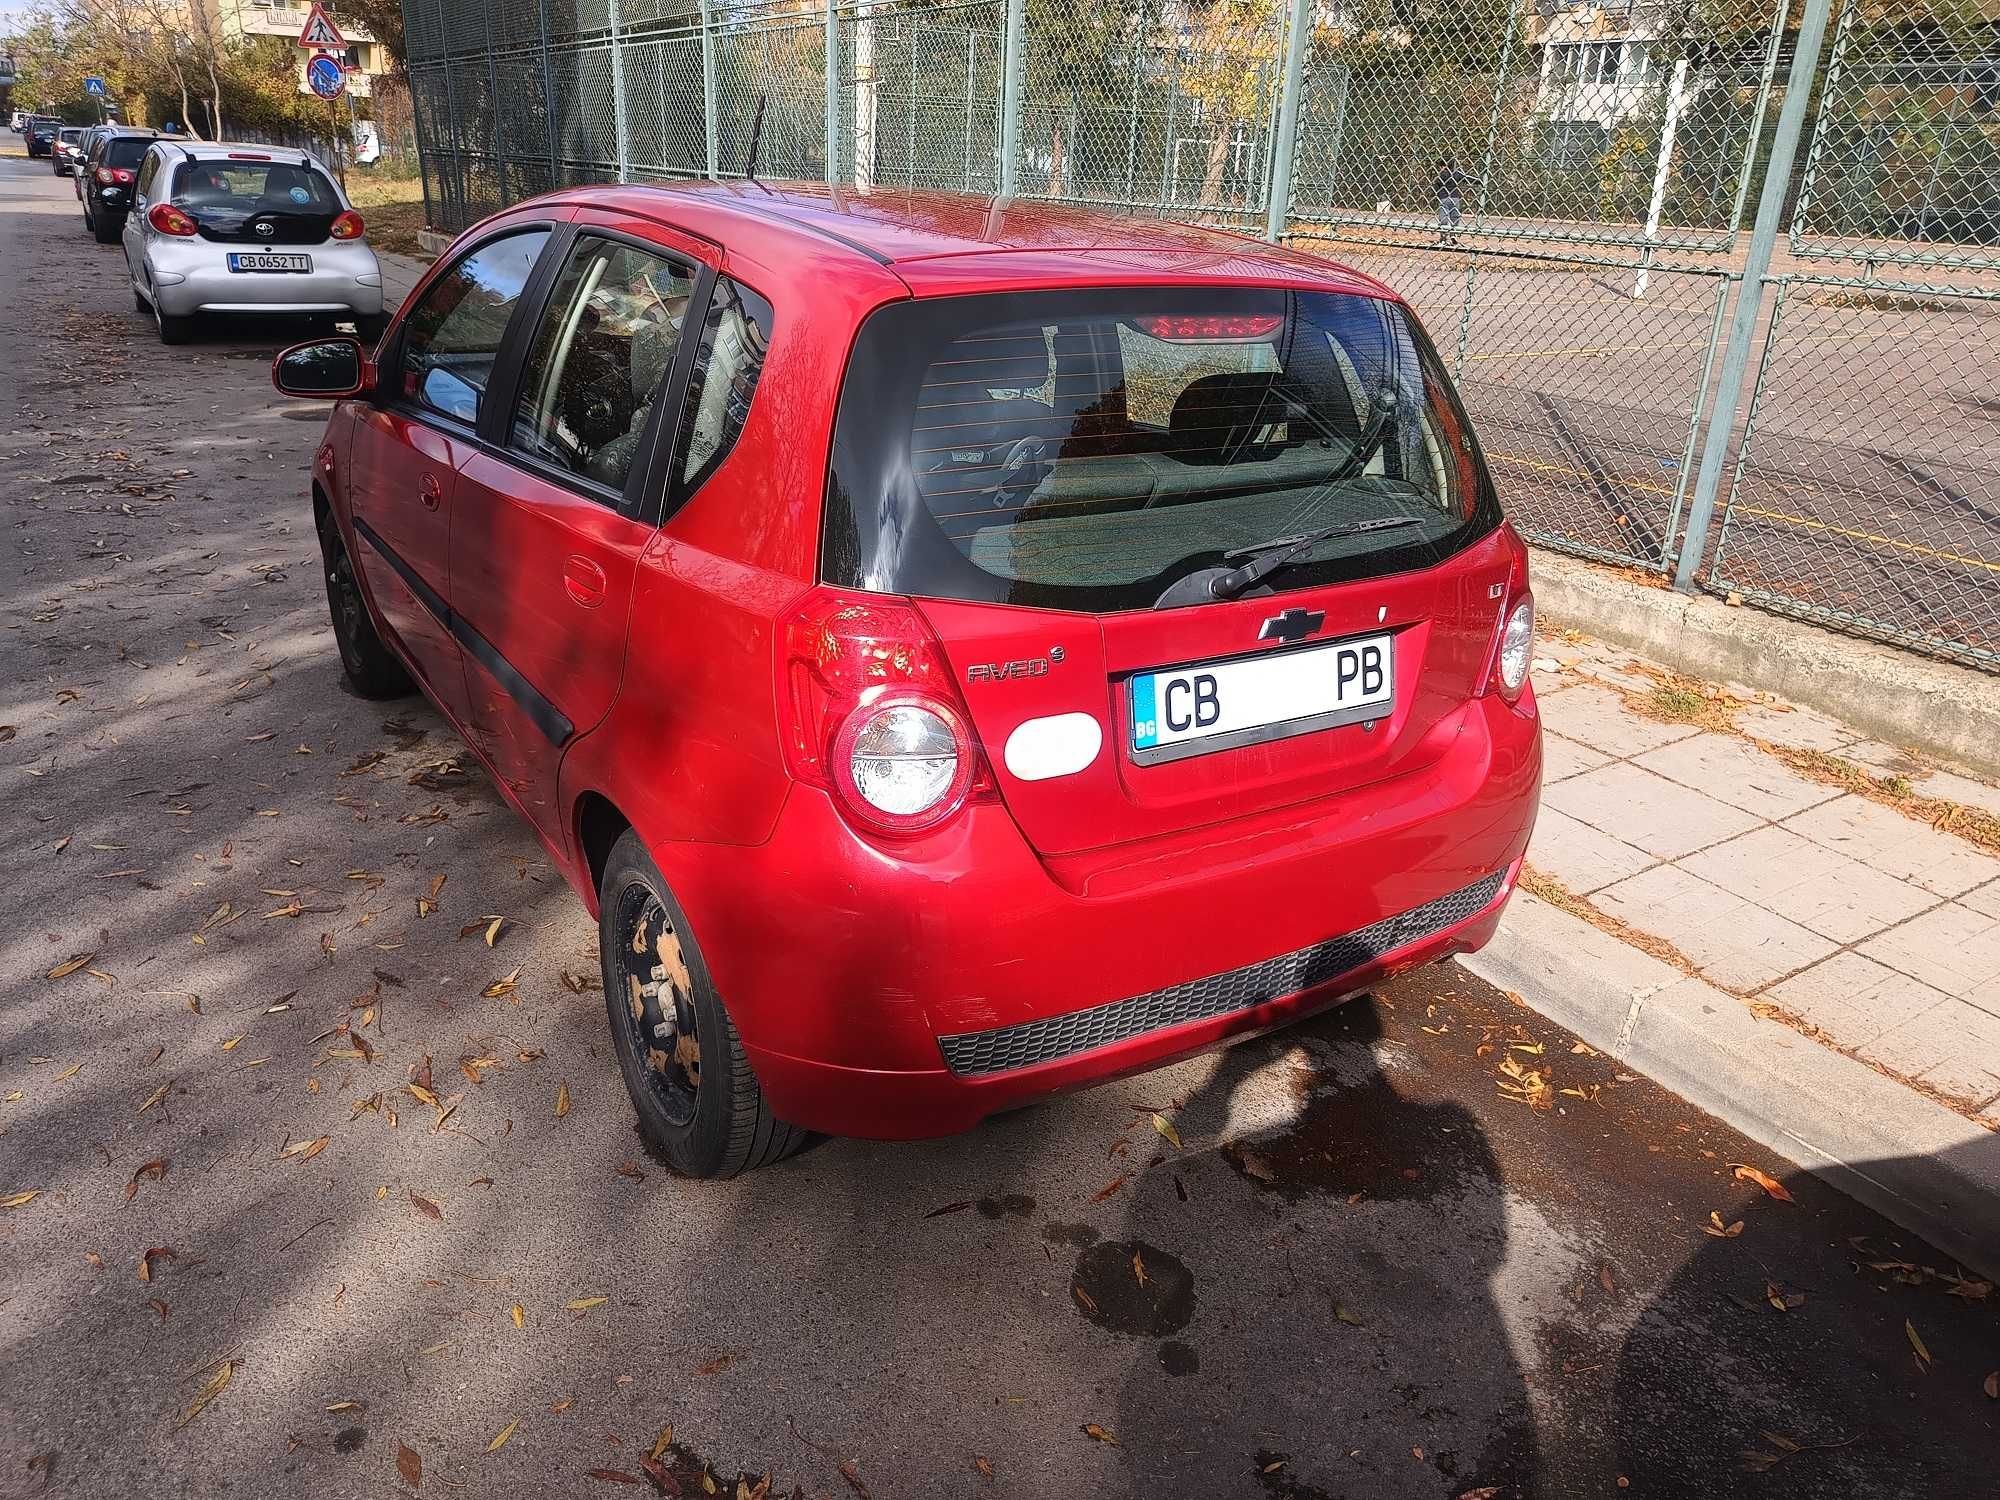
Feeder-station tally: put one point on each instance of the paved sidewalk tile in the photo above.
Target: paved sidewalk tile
(1737, 772)
(1563, 758)
(1660, 816)
(1798, 728)
(1952, 1047)
(1580, 856)
(1598, 717)
(1886, 840)
(1825, 892)
(1951, 948)
(1736, 943)
(1854, 999)
(1986, 899)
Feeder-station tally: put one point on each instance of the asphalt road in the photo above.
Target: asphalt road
(1369, 1269)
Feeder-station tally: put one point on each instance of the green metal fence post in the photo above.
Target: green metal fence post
(832, 91)
(1278, 198)
(708, 91)
(1750, 292)
(548, 89)
(618, 117)
(1010, 96)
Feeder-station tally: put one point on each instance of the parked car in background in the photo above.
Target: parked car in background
(106, 182)
(41, 135)
(18, 122)
(216, 228)
(959, 650)
(63, 155)
(83, 144)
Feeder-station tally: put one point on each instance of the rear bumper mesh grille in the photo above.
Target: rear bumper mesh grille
(973, 1053)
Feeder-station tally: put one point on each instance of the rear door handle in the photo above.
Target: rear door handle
(584, 581)
(430, 492)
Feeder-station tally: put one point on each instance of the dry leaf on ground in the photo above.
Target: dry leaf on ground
(1764, 1180)
(410, 1464)
(500, 1439)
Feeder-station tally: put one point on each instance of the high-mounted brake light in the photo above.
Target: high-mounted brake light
(170, 220)
(869, 711)
(347, 226)
(1210, 327)
(248, 156)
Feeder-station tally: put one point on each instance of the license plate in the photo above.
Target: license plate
(1193, 710)
(257, 261)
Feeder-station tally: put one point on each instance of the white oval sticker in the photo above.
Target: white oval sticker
(1060, 745)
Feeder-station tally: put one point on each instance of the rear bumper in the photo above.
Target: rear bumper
(196, 278)
(855, 973)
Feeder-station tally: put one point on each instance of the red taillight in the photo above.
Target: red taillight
(1210, 327)
(1513, 649)
(870, 712)
(112, 176)
(347, 227)
(170, 220)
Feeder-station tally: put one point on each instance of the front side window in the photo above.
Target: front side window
(1089, 449)
(600, 359)
(724, 379)
(452, 339)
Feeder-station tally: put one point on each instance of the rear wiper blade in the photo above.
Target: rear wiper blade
(1268, 557)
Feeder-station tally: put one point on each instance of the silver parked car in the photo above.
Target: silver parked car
(216, 228)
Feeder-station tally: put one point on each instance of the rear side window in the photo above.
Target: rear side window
(452, 339)
(1086, 449)
(601, 357)
(727, 365)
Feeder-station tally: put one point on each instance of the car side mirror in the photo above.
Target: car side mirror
(329, 368)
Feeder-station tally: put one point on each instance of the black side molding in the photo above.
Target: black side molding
(554, 725)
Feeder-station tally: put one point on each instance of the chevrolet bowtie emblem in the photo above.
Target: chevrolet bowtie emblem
(1292, 625)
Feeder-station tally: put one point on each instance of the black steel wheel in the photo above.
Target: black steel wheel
(372, 669)
(684, 1066)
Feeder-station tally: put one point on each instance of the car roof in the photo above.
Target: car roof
(937, 241)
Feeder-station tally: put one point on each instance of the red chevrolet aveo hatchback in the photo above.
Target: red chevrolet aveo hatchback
(960, 650)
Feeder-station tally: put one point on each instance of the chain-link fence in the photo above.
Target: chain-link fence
(1716, 276)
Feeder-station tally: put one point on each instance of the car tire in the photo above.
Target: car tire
(106, 234)
(172, 330)
(704, 1112)
(371, 668)
(139, 302)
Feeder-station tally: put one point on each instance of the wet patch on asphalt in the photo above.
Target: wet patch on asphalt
(1129, 1286)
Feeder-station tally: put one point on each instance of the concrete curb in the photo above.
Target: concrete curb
(1909, 700)
(1915, 1162)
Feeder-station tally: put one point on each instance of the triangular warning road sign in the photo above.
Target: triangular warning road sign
(322, 33)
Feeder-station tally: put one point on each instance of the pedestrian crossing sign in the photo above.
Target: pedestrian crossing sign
(320, 33)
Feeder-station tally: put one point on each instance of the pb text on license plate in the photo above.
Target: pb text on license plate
(263, 261)
(1193, 710)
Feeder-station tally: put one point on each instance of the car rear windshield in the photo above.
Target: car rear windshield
(1086, 449)
(228, 186)
(125, 151)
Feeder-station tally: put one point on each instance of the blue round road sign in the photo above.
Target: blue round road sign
(325, 77)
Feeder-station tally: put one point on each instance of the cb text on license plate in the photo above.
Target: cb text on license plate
(266, 262)
(1192, 710)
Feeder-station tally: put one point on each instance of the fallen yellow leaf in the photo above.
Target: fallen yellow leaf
(1916, 1343)
(217, 1383)
(661, 1443)
(70, 965)
(518, 1314)
(69, 1072)
(1166, 1128)
(501, 1441)
(232, 1044)
(1092, 1430)
(562, 1098)
(19, 1200)
(156, 1096)
(584, 1304)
